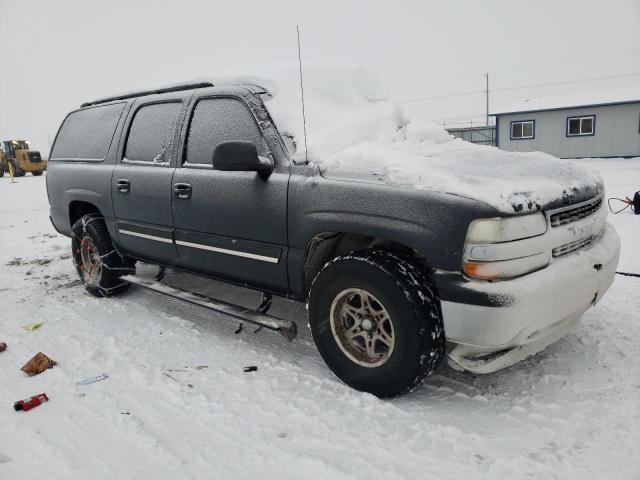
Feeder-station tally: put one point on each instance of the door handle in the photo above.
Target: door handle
(182, 190)
(123, 185)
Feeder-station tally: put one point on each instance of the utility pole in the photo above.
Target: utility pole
(486, 76)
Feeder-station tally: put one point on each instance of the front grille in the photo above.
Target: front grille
(571, 246)
(34, 157)
(576, 213)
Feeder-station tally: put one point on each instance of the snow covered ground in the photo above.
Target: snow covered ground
(178, 405)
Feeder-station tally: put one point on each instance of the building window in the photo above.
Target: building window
(579, 126)
(523, 130)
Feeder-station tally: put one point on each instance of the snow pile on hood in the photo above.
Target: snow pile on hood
(353, 128)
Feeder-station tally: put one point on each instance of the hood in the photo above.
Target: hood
(514, 183)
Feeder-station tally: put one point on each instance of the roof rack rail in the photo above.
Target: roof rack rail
(175, 88)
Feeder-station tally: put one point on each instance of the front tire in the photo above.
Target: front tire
(17, 171)
(377, 322)
(98, 264)
(37, 173)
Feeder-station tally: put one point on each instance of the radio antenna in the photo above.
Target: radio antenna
(304, 118)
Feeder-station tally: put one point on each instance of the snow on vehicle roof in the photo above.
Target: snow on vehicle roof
(588, 99)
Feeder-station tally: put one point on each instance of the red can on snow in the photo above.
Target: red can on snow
(3, 346)
(30, 403)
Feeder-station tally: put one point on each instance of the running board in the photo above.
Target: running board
(287, 328)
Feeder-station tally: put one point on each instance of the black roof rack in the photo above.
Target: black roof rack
(176, 88)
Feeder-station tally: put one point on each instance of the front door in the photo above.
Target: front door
(229, 224)
(141, 183)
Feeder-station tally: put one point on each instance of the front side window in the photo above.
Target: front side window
(151, 133)
(523, 130)
(218, 120)
(577, 126)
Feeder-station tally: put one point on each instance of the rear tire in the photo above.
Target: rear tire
(98, 264)
(377, 322)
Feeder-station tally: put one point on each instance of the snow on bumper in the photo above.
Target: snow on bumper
(536, 309)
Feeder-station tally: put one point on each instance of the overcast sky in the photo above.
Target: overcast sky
(57, 54)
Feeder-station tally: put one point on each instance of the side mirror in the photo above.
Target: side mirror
(241, 156)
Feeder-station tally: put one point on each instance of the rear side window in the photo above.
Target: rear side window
(218, 120)
(87, 134)
(152, 131)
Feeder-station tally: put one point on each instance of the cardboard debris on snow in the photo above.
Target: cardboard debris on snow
(38, 364)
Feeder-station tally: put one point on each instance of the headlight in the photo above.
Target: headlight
(497, 230)
(497, 249)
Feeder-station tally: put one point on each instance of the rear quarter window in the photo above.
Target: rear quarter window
(87, 134)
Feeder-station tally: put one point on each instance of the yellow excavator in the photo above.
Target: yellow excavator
(15, 155)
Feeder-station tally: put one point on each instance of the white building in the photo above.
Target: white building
(602, 124)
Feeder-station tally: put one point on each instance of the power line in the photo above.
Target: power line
(435, 81)
(423, 99)
(565, 82)
(475, 92)
(582, 61)
(536, 68)
(461, 117)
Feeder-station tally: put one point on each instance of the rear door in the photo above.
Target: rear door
(141, 183)
(232, 224)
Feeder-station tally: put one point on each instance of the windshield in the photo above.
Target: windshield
(20, 145)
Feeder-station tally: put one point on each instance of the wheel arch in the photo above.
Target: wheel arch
(325, 246)
(78, 208)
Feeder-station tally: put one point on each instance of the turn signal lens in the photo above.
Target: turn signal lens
(479, 270)
(504, 269)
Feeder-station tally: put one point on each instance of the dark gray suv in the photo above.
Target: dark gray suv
(198, 178)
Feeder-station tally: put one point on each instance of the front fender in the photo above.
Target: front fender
(432, 223)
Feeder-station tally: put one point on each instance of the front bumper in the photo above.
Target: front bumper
(524, 315)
